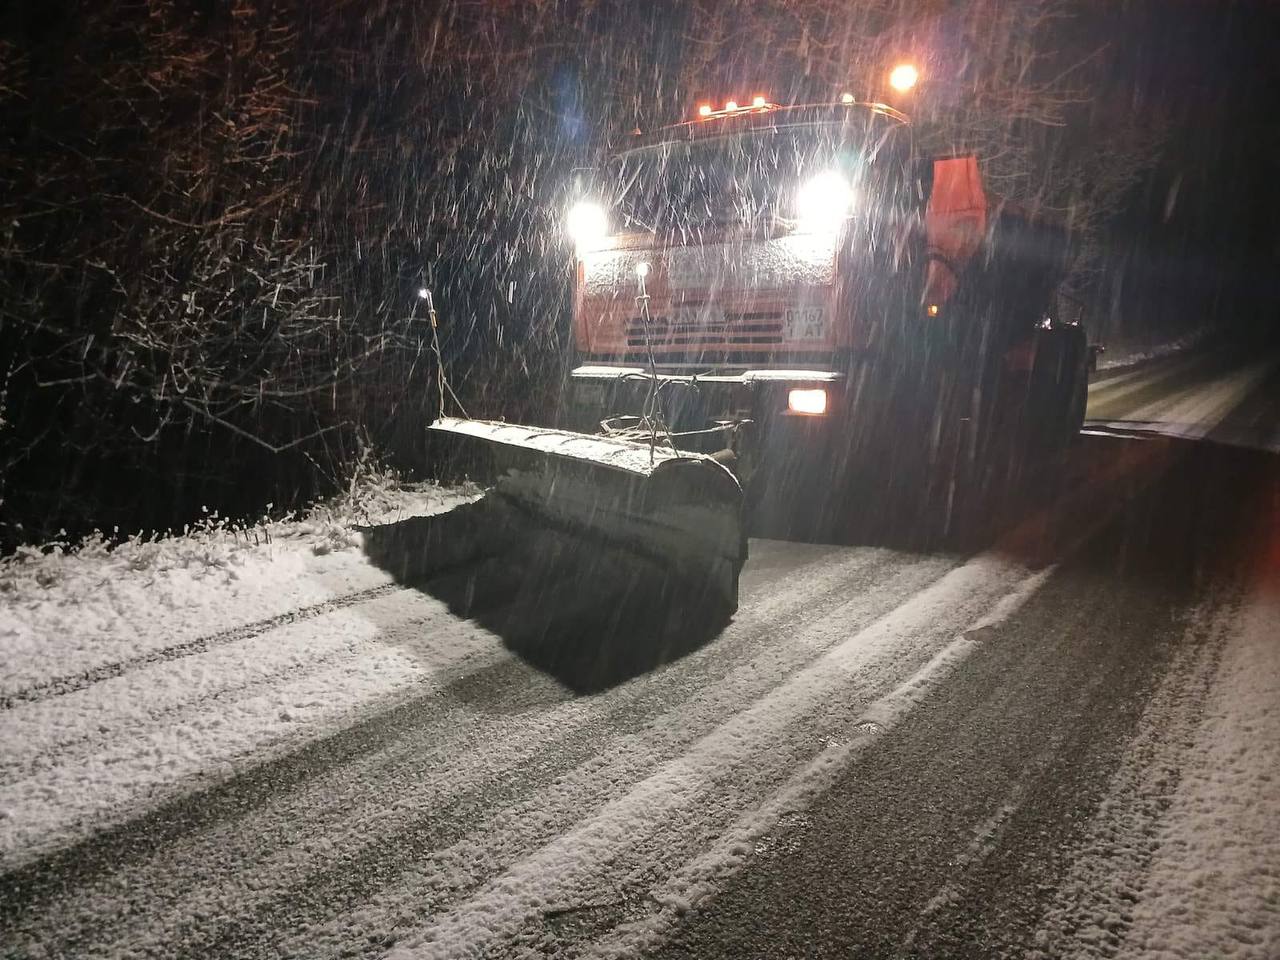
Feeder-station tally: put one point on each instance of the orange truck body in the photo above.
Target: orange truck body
(740, 317)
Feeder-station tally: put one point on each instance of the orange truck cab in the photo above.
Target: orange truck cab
(797, 291)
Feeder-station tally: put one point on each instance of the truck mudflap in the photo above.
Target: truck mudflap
(681, 511)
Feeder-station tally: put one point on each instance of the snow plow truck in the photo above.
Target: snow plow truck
(774, 303)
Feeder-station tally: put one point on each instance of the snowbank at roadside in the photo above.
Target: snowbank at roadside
(1213, 889)
(133, 672)
(68, 609)
(1183, 858)
(1122, 353)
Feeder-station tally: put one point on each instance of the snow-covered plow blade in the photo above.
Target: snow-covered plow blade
(680, 511)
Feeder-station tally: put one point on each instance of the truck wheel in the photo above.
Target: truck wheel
(1059, 391)
(1074, 388)
(1079, 403)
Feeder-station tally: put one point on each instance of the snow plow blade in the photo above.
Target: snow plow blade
(681, 511)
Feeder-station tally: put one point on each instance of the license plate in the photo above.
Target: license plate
(804, 323)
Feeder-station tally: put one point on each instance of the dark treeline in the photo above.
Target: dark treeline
(215, 216)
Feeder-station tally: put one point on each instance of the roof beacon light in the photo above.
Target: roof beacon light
(704, 110)
(731, 105)
(903, 77)
(759, 102)
(846, 98)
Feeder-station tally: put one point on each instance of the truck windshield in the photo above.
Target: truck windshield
(746, 178)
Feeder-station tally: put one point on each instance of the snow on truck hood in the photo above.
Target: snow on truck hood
(802, 259)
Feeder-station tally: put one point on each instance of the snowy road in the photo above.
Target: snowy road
(1216, 393)
(1065, 744)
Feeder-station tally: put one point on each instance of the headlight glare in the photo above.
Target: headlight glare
(587, 224)
(823, 201)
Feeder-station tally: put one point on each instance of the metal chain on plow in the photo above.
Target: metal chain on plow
(652, 420)
(442, 382)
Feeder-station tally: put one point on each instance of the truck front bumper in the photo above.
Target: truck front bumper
(745, 412)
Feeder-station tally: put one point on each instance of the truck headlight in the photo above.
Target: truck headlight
(587, 224)
(823, 201)
(811, 402)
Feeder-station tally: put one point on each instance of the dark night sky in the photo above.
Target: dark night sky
(1200, 233)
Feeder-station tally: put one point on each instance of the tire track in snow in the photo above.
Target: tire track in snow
(700, 878)
(396, 734)
(71, 728)
(858, 871)
(653, 818)
(1197, 411)
(350, 747)
(1180, 860)
(618, 749)
(163, 763)
(468, 766)
(614, 856)
(59, 686)
(1092, 906)
(1110, 391)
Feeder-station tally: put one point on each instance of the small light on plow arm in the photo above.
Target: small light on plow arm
(810, 402)
(642, 270)
(932, 310)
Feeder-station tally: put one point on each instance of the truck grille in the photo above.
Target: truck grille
(733, 330)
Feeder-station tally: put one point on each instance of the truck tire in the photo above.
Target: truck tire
(1061, 384)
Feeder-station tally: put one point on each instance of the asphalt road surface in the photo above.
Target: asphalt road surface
(1004, 751)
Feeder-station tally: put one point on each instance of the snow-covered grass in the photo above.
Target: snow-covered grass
(67, 608)
(140, 666)
(215, 544)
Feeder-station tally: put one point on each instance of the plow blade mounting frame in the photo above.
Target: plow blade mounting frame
(683, 512)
